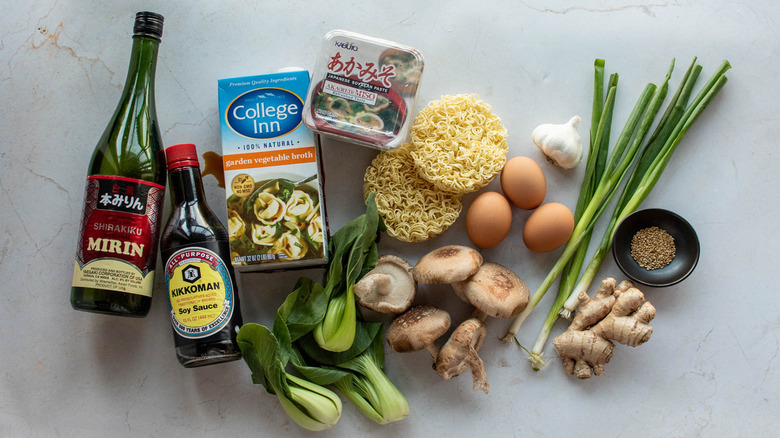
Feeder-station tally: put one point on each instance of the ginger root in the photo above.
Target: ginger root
(617, 313)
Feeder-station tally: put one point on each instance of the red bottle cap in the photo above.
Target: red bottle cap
(181, 155)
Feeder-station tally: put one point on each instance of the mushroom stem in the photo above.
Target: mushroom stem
(478, 374)
(389, 287)
(381, 283)
(460, 353)
(479, 314)
(433, 349)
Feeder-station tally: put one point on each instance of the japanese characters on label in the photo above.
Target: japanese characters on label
(366, 72)
(122, 195)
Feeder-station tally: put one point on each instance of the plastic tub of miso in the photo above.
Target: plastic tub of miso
(363, 90)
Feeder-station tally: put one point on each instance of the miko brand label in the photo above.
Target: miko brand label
(264, 113)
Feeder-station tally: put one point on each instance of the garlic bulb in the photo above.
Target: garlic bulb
(560, 143)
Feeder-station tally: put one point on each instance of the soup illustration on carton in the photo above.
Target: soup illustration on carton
(273, 184)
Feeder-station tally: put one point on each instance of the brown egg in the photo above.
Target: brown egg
(548, 227)
(523, 182)
(488, 219)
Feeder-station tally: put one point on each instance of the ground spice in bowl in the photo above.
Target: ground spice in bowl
(653, 248)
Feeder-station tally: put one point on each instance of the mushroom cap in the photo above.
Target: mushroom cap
(389, 287)
(459, 353)
(447, 264)
(494, 290)
(417, 328)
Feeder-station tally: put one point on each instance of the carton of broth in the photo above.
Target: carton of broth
(273, 177)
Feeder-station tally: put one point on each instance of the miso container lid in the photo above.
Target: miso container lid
(148, 24)
(363, 90)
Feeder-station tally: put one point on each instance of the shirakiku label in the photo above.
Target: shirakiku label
(118, 232)
(200, 292)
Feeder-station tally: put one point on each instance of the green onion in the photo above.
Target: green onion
(536, 356)
(671, 130)
(656, 153)
(618, 162)
(600, 128)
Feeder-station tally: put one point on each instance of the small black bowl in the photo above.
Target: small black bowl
(686, 243)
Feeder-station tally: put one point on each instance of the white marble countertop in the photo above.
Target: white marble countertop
(710, 369)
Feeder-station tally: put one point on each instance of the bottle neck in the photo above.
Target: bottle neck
(142, 68)
(186, 186)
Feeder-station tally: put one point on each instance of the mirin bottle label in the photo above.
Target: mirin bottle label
(200, 292)
(118, 232)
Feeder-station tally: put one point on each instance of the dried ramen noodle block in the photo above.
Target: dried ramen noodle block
(459, 144)
(412, 208)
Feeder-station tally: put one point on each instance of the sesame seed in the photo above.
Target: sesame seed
(653, 248)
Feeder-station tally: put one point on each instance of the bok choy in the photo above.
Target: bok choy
(353, 253)
(298, 329)
(311, 406)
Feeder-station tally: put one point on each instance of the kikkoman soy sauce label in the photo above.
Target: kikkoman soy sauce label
(200, 292)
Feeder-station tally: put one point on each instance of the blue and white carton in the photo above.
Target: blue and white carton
(273, 177)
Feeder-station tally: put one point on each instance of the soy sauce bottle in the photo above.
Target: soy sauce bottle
(204, 306)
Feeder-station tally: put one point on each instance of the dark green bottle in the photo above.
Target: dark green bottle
(120, 226)
(202, 296)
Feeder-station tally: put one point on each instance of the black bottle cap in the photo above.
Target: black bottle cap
(148, 24)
